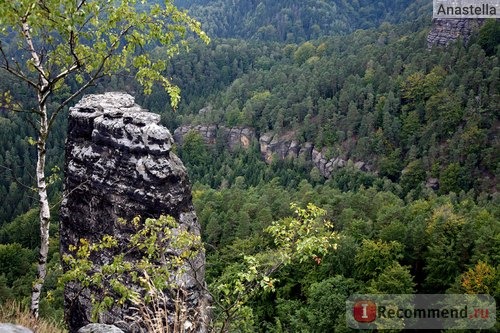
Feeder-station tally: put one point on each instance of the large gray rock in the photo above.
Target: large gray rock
(11, 328)
(119, 164)
(100, 328)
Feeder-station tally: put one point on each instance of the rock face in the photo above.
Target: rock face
(446, 31)
(11, 328)
(99, 328)
(234, 137)
(237, 137)
(119, 164)
(207, 132)
(281, 146)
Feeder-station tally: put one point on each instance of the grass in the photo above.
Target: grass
(15, 313)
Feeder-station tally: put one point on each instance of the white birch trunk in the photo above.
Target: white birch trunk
(44, 214)
(42, 90)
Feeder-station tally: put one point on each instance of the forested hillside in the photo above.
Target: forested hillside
(377, 96)
(356, 80)
(296, 21)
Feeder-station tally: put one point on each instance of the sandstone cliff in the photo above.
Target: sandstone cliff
(447, 31)
(235, 137)
(119, 164)
(281, 146)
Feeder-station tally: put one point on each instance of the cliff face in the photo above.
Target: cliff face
(447, 31)
(234, 137)
(119, 164)
(272, 146)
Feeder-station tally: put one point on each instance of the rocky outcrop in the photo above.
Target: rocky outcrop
(326, 165)
(119, 164)
(283, 147)
(207, 132)
(272, 146)
(233, 138)
(447, 31)
(99, 328)
(237, 137)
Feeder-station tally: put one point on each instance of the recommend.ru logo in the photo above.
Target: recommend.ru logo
(424, 311)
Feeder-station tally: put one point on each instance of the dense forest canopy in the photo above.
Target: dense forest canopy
(293, 20)
(355, 79)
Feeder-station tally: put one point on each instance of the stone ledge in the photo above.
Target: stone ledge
(113, 119)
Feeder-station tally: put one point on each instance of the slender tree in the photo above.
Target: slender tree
(49, 43)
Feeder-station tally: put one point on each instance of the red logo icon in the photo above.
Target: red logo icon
(365, 311)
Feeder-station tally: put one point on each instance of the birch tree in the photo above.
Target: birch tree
(48, 43)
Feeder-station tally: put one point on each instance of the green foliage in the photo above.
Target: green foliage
(49, 45)
(419, 105)
(236, 286)
(304, 52)
(116, 32)
(489, 37)
(16, 269)
(386, 104)
(23, 230)
(152, 271)
(308, 235)
(377, 96)
(15, 261)
(394, 279)
(383, 245)
(451, 179)
(390, 166)
(413, 176)
(326, 302)
(297, 239)
(195, 153)
(375, 256)
(293, 21)
(448, 245)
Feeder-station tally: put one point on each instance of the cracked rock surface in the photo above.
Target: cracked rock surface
(447, 31)
(119, 164)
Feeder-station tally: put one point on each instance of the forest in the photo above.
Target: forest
(356, 79)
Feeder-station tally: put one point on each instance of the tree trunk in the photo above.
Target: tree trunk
(42, 93)
(44, 212)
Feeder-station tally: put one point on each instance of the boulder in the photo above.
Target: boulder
(99, 328)
(11, 328)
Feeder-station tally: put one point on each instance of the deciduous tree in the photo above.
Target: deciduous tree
(47, 44)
